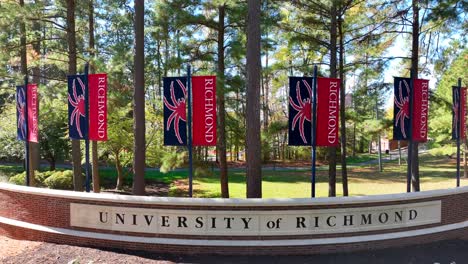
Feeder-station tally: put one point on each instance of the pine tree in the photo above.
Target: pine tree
(253, 142)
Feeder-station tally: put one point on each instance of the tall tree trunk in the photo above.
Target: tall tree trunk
(139, 102)
(166, 51)
(399, 153)
(253, 141)
(158, 41)
(266, 94)
(120, 176)
(344, 170)
(333, 64)
(414, 73)
(94, 144)
(24, 60)
(379, 142)
(354, 138)
(52, 164)
(221, 143)
(71, 38)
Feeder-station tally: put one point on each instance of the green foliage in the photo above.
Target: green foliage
(54, 141)
(42, 176)
(18, 179)
(62, 180)
(440, 117)
(11, 149)
(295, 35)
(172, 160)
(119, 145)
(448, 150)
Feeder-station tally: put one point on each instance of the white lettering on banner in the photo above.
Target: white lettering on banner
(209, 110)
(424, 108)
(255, 222)
(34, 109)
(332, 112)
(101, 106)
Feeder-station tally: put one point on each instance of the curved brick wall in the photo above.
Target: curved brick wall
(233, 226)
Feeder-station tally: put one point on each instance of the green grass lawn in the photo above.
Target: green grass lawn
(436, 172)
(363, 157)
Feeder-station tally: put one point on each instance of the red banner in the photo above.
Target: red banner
(328, 107)
(420, 109)
(33, 113)
(463, 112)
(97, 107)
(204, 110)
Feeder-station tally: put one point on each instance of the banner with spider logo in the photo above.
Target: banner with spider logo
(401, 109)
(77, 120)
(401, 118)
(175, 111)
(31, 105)
(458, 121)
(300, 108)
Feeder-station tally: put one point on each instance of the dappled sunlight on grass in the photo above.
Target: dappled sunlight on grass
(435, 173)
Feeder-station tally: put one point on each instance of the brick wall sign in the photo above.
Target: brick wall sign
(285, 226)
(248, 223)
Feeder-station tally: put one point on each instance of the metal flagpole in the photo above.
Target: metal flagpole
(409, 150)
(189, 122)
(26, 140)
(314, 128)
(459, 132)
(88, 172)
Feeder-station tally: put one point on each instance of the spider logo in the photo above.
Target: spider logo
(402, 104)
(21, 108)
(456, 112)
(78, 103)
(303, 108)
(178, 108)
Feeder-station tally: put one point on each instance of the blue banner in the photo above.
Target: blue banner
(401, 115)
(175, 111)
(21, 107)
(77, 120)
(300, 109)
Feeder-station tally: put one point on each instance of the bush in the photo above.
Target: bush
(447, 150)
(18, 179)
(60, 180)
(42, 176)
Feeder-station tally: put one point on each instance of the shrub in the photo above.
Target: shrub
(447, 150)
(18, 179)
(60, 180)
(42, 176)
